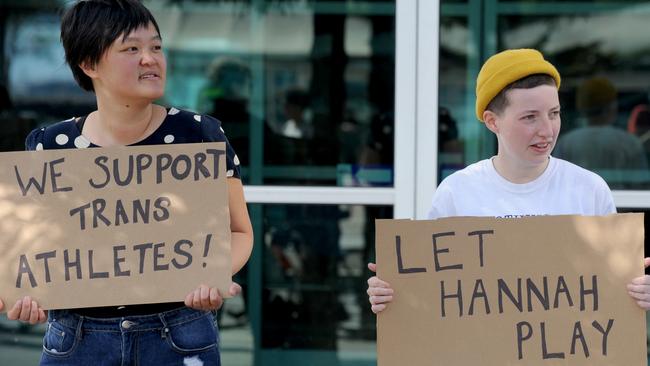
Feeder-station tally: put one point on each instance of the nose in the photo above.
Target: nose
(148, 58)
(546, 127)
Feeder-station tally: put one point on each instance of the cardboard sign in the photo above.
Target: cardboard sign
(545, 290)
(113, 226)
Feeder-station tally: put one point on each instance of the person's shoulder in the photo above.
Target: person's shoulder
(570, 136)
(186, 114)
(585, 186)
(452, 193)
(576, 172)
(211, 128)
(60, 135)
(191, 123)
(567, 166)
(183, 114)
(464, 182)
(469, 173)
(624, 139)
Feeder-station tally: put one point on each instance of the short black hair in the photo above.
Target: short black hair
(89, 28)
(499, 103)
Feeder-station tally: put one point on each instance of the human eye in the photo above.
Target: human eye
(555, 114)
(528, 117)
(130, 49)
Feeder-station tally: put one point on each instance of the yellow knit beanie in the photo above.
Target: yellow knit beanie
(505, 68)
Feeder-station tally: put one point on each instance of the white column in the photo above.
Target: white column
(426, 152)
(405, 107)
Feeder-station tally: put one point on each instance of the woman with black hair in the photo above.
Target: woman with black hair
(114, 49)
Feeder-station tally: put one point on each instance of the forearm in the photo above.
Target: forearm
(240, 250)
(241, 230)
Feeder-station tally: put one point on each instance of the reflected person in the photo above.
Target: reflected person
(600, 146)
(301, 307)
(226, 97)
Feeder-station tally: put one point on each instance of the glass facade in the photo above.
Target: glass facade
(313, 304)
(306, 93)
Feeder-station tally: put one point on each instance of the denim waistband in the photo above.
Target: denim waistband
(126, 323)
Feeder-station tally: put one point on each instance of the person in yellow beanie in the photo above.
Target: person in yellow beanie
(517, 99)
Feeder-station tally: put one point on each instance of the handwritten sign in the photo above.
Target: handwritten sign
(545, 290)
(113, 226)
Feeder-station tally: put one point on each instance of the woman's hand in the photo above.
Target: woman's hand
(26, 310)
(209, 298)
(379, 292)
(639, 289)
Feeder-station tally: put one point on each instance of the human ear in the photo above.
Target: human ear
(89, 69)
(490, 119)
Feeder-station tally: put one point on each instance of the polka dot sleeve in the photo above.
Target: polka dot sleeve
(213, 132)
(34, 140)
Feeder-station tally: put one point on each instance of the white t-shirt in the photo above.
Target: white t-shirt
(563, 189)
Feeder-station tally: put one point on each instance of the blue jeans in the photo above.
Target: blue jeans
(177, 337)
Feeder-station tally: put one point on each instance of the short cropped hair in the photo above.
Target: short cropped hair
(90, 27)
(499, 103)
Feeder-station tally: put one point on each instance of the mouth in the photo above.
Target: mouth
(149, 76)
(542, 146)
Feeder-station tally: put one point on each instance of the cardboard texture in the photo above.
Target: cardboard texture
(564, 265)
(113, 226)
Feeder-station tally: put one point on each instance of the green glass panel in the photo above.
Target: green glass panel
(313, 302)
(305, 91)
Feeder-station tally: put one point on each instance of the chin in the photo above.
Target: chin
(154, 95)
(540, 160)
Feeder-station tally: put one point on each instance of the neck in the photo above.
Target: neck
(122, 123)
(518, 173)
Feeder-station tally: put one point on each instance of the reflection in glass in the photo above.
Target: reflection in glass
(314, 278)
(20, 344)
(597, 144)
(455, 124)
(35, 86)
(305, 93)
